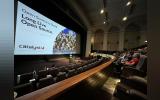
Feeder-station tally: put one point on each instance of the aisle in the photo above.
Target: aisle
(110, 84)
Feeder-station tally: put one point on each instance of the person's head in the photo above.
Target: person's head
(145, 49)
(128, 54)
(136, 55)
(131, 52)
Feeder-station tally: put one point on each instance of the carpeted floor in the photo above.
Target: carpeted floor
(110, 84)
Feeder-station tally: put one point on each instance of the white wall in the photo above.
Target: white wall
(121, 40)
(101, 39)
(143, 37)
(113, 41)
(98, 41)
(131, 38)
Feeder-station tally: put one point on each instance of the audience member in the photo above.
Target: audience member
(133, 61)
(129, 58)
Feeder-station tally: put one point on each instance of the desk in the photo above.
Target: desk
(54, 89)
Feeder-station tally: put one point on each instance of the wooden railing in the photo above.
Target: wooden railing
(54, 89)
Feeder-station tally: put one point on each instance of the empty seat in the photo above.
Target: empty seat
(45, 82)
(51, 68)
(136, 82)
(62, 69)
(71, 72)
(132, 88)
(53, 72)
(74, 66)
(95, 64)
(89, 61)
(98, 62)
(42, 74)
(94, 59)
(124, 92)
(61, 76)
(53, 65)
(89, 65)
(80, 69)
(85, 67)
(24, 78)
(23, 89)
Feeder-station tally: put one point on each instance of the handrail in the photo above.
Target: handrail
(56, 88)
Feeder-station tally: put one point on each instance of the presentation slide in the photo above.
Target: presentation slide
(38, 35)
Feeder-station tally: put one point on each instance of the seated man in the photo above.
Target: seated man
(119, 63)
(133, 61)
(121, 58)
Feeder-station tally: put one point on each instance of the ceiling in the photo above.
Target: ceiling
(114, 11)
(86, 13)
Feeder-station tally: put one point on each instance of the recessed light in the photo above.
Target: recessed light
(102, 11)
(124, 18)
(128, 3)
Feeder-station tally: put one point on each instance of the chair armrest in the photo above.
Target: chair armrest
(137, 95)
(138, 79)
(136, 82)
(125, 92)
(129, 71)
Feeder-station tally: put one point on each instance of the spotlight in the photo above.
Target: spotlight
(124, 18)
(128, 3)
(102, 11)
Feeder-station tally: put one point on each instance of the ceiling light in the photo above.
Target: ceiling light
(124, 18)
(102, 11)
(128, 3)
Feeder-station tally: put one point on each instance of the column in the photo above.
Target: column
(88, 43)
(105, 42)
(121, 40)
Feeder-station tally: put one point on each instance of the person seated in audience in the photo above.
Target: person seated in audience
(122, 58)
(129, 58)
(145, 51)
(119, 62)
(133, 61)
(130, 54)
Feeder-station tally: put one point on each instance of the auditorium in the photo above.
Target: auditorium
(80, 50)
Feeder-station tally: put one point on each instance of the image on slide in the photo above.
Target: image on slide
(65, 42)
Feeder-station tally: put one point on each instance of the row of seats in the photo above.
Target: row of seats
(140, 69)
(29, 82)
(133, 84)
(132, 88)
(54, 70)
